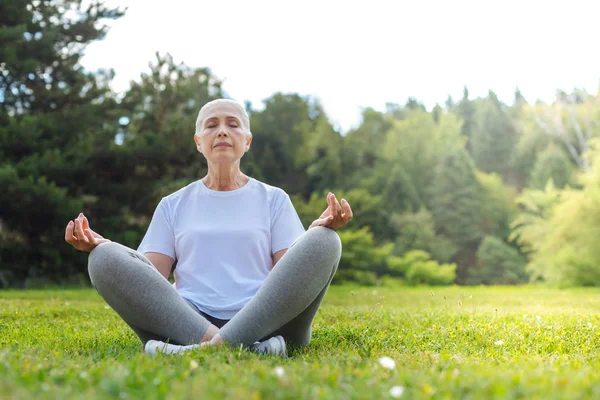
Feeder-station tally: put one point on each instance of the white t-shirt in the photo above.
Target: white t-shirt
(223, 241)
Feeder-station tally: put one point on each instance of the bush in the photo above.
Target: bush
(361, 253)
(416, 231)
(365, 278)
(498, 263)
(431, 273)
(421, 270)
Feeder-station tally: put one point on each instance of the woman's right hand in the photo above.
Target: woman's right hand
(79, 235)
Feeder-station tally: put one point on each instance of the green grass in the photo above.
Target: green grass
(451, 343)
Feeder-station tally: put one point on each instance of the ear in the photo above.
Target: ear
(198, 145)
(248, 141)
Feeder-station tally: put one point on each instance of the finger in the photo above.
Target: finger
(347, 210)
(330, 203)
(69, 232)
(89, 236)
(85, 222)
(79, 230)
(338, 208)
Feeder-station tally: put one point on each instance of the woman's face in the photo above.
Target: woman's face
(222, 137)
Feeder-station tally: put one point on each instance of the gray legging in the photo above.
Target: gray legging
(285, 304)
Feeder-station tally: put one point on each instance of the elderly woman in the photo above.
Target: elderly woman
(247, 272)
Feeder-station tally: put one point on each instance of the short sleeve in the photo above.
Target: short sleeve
(286, 226)
(159, 237)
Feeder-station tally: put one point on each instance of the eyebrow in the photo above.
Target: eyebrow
(229, 117)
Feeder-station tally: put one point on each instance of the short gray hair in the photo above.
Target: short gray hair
(239, 106)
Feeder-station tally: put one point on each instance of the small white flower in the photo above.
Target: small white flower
(455, 372)
(524, 315)
(83, 375)
(279, 371)
(194, 364)
(499, 342)
(396, 391)
(538, 317)
(107, 307)
(67, 303)
(387, 362)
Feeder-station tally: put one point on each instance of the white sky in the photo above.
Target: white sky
(356, 54)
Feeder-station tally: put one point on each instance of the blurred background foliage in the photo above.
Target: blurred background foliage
(474, 191)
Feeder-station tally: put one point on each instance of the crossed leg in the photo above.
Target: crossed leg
(145, 300)
(286, 304)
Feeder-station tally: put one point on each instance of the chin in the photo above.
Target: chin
(224, 160)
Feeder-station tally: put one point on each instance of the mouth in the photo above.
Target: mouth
(222, 144)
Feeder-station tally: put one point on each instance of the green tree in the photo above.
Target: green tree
(456, 205)
(493, 137)
(532, 141)
(559, 229)
(498, 264)
(465, 110)
(53, 116)
(416, 231)
(533, 227)
(410, 154)
(323, 148)
(363, 146)
(553, 164)
(498, 208)
(281, 131)
(519, 98)
(436, 113)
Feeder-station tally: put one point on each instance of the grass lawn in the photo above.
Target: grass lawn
(451, 343)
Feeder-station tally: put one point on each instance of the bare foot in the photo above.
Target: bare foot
(215, 341)
(209, 334)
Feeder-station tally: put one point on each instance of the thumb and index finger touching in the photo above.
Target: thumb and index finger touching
(79, 235)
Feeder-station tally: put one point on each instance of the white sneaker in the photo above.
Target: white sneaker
(154, 347)
(273, 346)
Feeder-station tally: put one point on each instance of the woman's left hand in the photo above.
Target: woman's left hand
(335, 215)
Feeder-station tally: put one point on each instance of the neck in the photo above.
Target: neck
(225, 177)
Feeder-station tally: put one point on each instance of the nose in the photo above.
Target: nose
(222, 132)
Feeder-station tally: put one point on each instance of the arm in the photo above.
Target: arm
(79, 235)
(158, 244)
(277, 256)
(161, 262)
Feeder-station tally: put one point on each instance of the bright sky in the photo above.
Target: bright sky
(356, 54)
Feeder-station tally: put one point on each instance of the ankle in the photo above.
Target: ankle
(216, 340)
(209, 334)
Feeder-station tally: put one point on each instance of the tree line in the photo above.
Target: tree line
(474, 191)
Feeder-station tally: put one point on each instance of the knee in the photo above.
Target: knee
(103, 260)
(327, 240)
